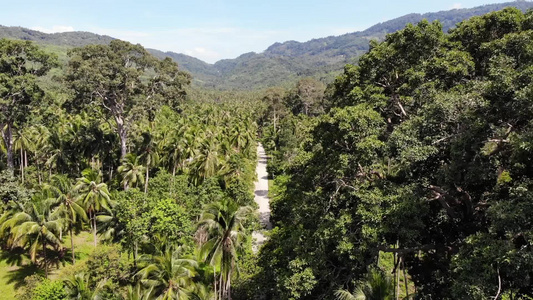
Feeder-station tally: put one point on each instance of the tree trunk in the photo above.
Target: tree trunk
(25, 159)
(397, 275)
(22, 164)
(146, 179)
(228, 286)
(7, 135)
(123, 135)
(405, 280)
(44, 258)
(220, 286)
(39, 174)
(274, 122)
(135, 253)
(72, 245)
(215, 281)
(94, 229)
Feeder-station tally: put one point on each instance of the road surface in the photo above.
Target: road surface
(261, 197)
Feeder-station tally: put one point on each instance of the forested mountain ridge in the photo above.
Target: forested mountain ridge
(281, 63)
(73, 38)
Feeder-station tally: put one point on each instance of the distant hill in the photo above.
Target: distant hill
(281, 63)
(73, 39)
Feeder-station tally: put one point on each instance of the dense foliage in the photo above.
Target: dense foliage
(424, 152)
(407, 177)
(113, 146)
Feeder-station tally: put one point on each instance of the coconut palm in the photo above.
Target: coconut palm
(23, 144)
(58, 157)
(39, 137)
(169, 275)
(35, 227)
(207, 162)
(68, 204)
(137, 292)
(94, 196)
(377, 286)
(77, 288)
(223, 221)
(149, 156)
(131, 170)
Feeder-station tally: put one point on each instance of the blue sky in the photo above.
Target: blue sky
(213, 30)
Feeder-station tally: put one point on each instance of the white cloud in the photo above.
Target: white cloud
(54, 29)
(457, 6)
(206, 54)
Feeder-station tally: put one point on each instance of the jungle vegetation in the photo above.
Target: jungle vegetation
(408, 177)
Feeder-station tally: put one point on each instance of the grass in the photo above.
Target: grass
(270, 185)
(386, 263)
(12, 274)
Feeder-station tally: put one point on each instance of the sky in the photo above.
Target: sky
(216, 29)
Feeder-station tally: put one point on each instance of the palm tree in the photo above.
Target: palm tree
(35, 227)
(137, 292)
(377, 286)
(131, 170)
(149, 156)
(94, 195)
(207, 163)
(77, 288)
(169, 275)
(68, 204)
(23, 144)
(58, 152)
(39, 136)
(223, 223)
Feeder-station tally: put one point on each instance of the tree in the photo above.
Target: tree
(377, 286)
(149, 156)
(68, 204)
(306, 97)
(110, 78)
(36, 227)
(77, 287)
(425, 153)
(21, 62)
(132, 171)
(169, 274)
(223, 222)
(274, 98)
(94, 195)
(207, 162)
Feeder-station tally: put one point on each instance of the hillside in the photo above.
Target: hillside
(281, 63)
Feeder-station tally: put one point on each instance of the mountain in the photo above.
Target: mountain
(281, 63)
(323, 58)
(72, 39)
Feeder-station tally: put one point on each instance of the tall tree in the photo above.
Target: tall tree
(94, 194)
(149, 155)
(223, 221)
(274, 99)
(21, 62)
(169, 274)
(113, 76)
(36, 227)
(68, 205)
(131, 171)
